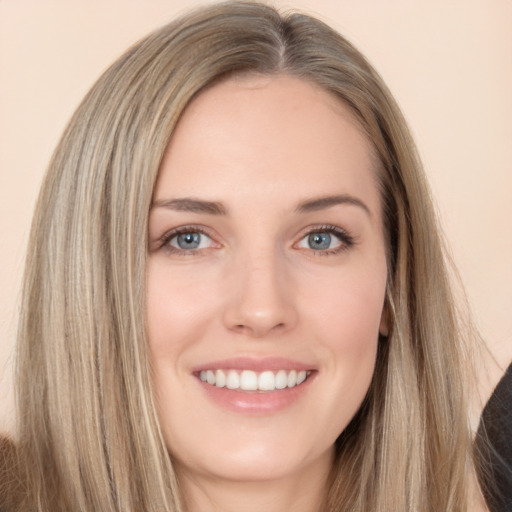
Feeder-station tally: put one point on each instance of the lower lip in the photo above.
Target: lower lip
(253, 402)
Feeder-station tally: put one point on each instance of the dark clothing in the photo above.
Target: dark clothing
(494, 444)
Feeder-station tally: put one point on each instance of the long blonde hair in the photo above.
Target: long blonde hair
(89, 437)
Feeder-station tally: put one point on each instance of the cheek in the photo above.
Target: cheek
(347, 316)
(353, 339)
(353, 352)
(178, 309)
(348, 307)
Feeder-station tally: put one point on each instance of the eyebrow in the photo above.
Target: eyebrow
(321, 203)
(189, 204)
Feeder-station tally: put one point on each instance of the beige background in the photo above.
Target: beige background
(449, 63)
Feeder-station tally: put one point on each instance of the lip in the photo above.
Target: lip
(251, 402)
(254, 364)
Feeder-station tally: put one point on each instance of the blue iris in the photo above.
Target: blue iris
(319, 241)
(188, 240)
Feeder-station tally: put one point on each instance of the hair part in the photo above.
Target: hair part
(89, 437)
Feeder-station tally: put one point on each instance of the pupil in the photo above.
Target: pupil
(319, 240)
(189, 240)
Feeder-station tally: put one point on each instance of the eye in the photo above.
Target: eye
(321, 241)
(328, 239)
(187, 240)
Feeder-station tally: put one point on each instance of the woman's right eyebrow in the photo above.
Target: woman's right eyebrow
(190, 204)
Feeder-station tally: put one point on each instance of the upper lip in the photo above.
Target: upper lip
(255, 364)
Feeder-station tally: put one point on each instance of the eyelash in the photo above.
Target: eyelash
(183, 230)
(346, 239)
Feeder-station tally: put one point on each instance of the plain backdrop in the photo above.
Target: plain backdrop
(448, 62)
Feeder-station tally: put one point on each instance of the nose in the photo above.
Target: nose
(261, 299)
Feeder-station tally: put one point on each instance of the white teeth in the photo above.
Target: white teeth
(301, 377)
(281, 379)
(249, 380)
(266, 381)
(232, 380)
(220, 379)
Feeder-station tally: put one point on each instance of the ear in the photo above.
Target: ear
(384, 321)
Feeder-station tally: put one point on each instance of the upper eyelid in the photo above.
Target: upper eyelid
(186, 229)
(330, 228)
(347, 238)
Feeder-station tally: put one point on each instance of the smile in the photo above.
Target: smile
(249, 380)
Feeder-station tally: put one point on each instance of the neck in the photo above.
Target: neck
(304, 491)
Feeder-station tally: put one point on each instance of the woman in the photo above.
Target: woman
(235, 296)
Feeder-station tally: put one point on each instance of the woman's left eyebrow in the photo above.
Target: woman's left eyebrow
(320, 203)
(190, 204)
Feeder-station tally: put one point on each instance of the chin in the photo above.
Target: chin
(256, 462)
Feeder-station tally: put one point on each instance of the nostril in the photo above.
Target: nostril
(257, 310)
(258, 330)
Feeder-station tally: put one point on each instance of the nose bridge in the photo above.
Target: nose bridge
(261, 301)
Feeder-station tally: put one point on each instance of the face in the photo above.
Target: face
(266, 279)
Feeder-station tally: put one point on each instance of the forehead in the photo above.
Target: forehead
(265, 134)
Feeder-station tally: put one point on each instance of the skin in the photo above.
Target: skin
(261, 146)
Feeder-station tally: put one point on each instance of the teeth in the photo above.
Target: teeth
(266, 381)
(220, 379)
(232, 380)
(281, 379)
(248, 380)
